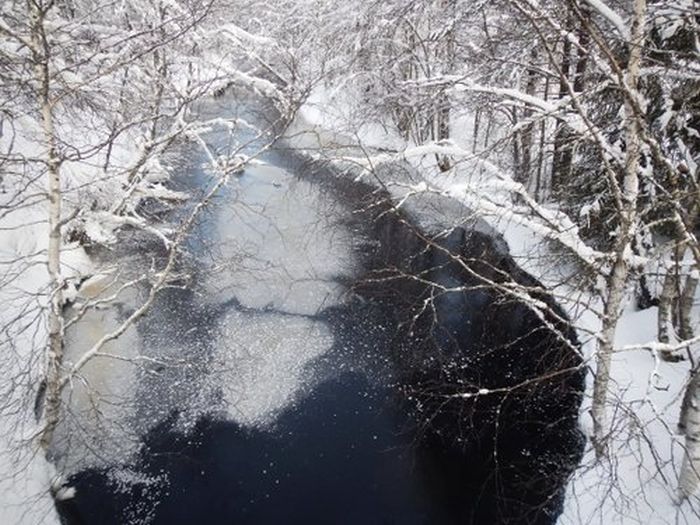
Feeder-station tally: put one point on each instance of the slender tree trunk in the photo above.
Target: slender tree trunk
(541, 186)
(619, 275)
(409, 115)
(666, 302)
(689, 421)
(689, 424)
(518, 170)
(487, 135)
(687, 295)
(446, 51)
(41, 59)
(443, 131)
(615, 293)
(529, 129)
(582, 56)
(561, 163)
(685, 307)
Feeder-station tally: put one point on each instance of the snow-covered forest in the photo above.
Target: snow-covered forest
(220, 216)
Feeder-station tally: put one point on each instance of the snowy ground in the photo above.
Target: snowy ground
(25, 476)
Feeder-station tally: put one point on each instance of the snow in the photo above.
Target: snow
(98, 431)
(65, 493)
(329, 120)
(611, 16)
(671, 16)
(262, 86)
(287, 262)
(240, 35)
(628, 489)
(89, 56)
(638, 484)
(25, 476)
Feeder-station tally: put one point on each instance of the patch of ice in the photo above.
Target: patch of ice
(279, 245)
(264, 358)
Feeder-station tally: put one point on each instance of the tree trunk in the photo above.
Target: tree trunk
(562, 155)
(667, 300)
(582, 56)
(487, 135)
(685, 307)
(443, 131)
(518, 170)
(41, 60)
(541, 186)
(528, 131)
(619, 276)
(689, 424)
(615, 293)
(446, 51)
(675, 305)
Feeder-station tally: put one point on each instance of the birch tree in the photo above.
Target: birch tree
(626, 199)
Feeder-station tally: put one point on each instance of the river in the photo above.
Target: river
(293, 374)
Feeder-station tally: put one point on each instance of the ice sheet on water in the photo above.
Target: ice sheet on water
(279, 245)
(263, 362)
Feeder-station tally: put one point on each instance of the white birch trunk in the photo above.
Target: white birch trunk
(619, 275)
(689, 479)
(685, 307)
(41, 58)
(666, 300)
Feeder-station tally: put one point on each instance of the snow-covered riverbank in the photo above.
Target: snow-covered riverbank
(617, 490)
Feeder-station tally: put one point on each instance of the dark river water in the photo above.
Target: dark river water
(309, 366)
